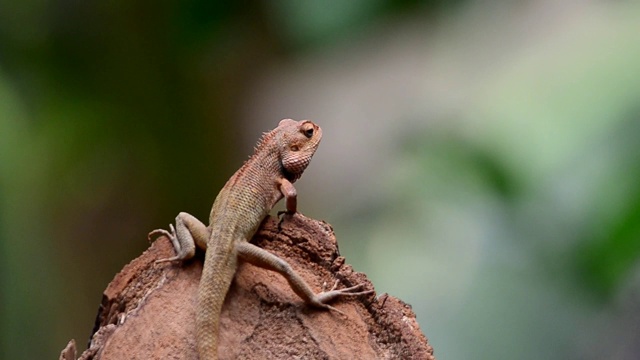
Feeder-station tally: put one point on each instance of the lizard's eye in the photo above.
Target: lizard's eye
(308, 132)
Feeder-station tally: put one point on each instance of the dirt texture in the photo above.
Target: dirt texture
(148, 310)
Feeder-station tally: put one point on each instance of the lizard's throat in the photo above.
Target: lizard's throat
(292, 177)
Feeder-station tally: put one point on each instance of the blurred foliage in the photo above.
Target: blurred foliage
(610, 257)
(515, 217)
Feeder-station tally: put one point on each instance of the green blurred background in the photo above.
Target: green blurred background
(481, 159)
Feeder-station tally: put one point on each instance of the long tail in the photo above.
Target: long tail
(217, 274)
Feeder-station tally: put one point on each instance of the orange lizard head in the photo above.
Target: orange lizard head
(298, 141)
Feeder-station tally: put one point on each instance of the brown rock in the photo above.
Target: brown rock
(148, 310)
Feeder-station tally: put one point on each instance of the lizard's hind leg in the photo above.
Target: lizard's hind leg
(262, 258)
(188, 233)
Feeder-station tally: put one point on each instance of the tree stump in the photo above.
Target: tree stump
(148, 310)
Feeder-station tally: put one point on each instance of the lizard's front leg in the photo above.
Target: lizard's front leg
(264, 259)
(290, 196)
(290, 199)
(188, 233)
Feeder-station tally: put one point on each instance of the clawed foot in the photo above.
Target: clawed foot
(327, 296)
(348, 291)
(155, 234)
(282, 214)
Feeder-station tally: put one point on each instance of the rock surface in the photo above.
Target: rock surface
(148, 310)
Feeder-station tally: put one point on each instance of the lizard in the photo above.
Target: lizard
(279, 159)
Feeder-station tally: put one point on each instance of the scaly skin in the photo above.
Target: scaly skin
(280, 158)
